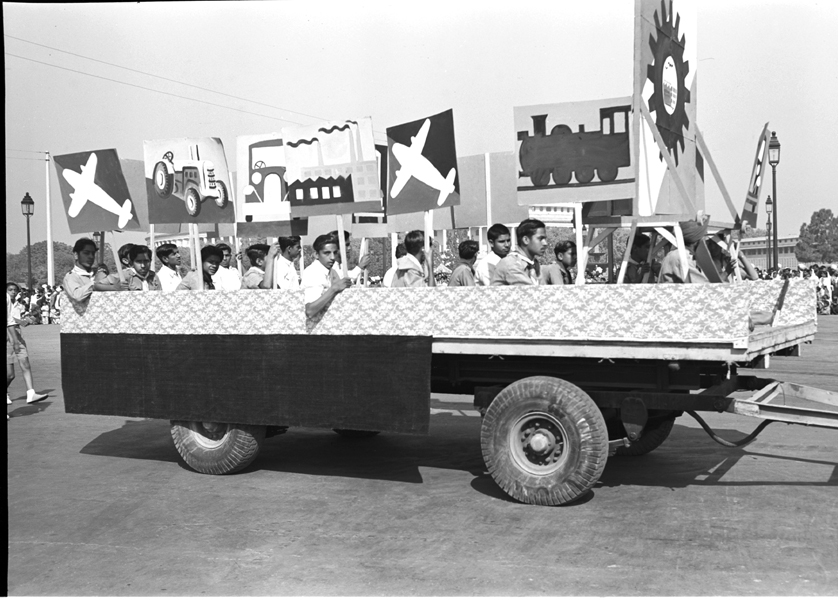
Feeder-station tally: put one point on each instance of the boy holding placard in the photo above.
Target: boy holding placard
(317, 283)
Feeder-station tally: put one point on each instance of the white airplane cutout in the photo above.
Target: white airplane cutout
(84, 190)
(413, 164)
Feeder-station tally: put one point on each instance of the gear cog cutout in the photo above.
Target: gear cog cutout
(667, 73)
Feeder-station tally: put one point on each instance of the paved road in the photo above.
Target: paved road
(105, 506)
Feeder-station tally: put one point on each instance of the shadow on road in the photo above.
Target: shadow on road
(30, 409)
(687, 458)
(690, 457)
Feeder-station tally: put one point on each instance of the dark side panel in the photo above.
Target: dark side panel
(379, 383)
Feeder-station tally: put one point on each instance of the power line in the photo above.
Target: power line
(32, 151)
(104, 62)
(152, 89)
(21, 158)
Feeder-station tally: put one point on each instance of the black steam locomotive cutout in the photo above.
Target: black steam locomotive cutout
(667, 73)
(564, 153)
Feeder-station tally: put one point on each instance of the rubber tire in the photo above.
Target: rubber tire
(586, 443)
(654, 434)
(221, 199)
(192, 194)
(168, 180)
(355, 433)
(240, 446)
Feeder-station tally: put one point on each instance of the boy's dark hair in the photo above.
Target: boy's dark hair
(165, 251)
(563, 247)
(640, 240)
(224, 246)
(346, 235)
(468, 249)
(324, 240)
(527, 228)
(84, 243)
(211, 250)
(288, 242)
(136, 250)
(496, 230)
(254, 252)
(414, 241)
(400, 251)
(11, 284)
(125, 251)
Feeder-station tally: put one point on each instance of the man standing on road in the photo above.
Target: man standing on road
(16, 348)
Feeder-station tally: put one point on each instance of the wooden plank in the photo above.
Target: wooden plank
(627, 252)
(708, 158)
(667, 235)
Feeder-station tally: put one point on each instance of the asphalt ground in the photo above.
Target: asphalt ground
(105, 506)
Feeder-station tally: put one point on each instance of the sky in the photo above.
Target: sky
(226, 69)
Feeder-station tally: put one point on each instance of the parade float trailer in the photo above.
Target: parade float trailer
(563, 376)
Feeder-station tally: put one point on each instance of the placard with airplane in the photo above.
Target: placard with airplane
(94, 192)
(422, 165)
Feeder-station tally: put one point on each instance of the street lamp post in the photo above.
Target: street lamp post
(27, 205)
(769, 208)
(774, 160)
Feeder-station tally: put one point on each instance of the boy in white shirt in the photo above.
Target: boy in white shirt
(501, 242)
(227, 278)
(317, 283)
(169, 256)
(280, 272)
(255, 275)
(16, 347)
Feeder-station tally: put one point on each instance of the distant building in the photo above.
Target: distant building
(756, 248)
(553, 216)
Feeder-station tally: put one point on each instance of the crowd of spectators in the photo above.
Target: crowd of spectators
(40, 305)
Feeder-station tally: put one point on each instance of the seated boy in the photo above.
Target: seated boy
(387, 281)
(637, 262)
(411, 268)
(522, 267)
(463, 273)
(558, 273)
(256, 273)
(355, 272)
(211, 258)
(671, 268)
(501, 243)
(140, 277)
(317, 283)
(280, 272)
(227, 278)
(79, 283)
(169, 276)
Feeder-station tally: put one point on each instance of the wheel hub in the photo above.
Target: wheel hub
(537, 443)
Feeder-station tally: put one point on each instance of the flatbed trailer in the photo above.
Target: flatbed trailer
(564, 376)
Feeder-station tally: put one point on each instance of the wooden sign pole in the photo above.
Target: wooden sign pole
(341, 244)
(115, 257)
(429, 259)
(394, 241)
(365, 274)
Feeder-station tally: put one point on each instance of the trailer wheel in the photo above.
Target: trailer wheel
(221, 199)
(654, 434)
(163, 180)
(193, 202)
(544, 441)
(355, 433)
(217, 448)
